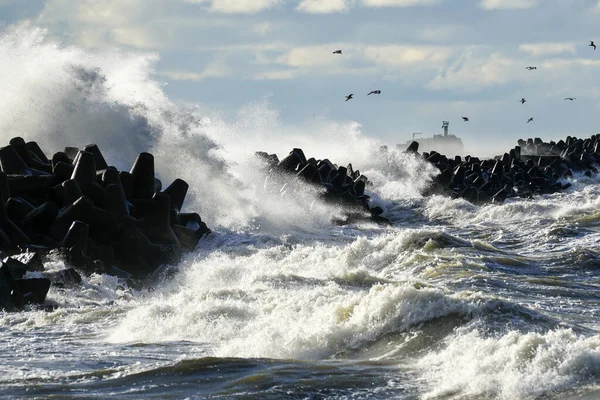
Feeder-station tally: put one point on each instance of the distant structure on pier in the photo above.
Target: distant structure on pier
(449, 145)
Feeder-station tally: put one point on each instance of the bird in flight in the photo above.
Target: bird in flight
(466, 119)
(349, 96)
(374, 92)
(523, 100)
(592, 44)
(530, 68)
(570, 98)
(529, 120)
(337, 52)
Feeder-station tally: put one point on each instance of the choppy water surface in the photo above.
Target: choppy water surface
(452, 301)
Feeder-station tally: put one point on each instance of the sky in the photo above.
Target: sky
(433, 60)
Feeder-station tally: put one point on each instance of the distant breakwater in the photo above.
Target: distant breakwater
(77, 208)
(533, 167)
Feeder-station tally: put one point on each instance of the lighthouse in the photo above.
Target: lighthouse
(445, 125)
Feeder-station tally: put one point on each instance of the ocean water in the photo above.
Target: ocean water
(451, 301)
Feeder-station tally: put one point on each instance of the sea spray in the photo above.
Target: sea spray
(511, 366)
(439, 304)
(301, 301)
(74, 97)
(67, 95)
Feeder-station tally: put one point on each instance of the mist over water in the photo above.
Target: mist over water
(452, 300)
(63, 96)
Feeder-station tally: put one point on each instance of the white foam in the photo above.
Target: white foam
(278, 280)
(511, 366)
(306, 302)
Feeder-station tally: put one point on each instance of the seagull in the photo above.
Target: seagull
(529, 120)
(530, 68)
(337, 52)
(349, 96)
(466, 119)
(570, 98)
(592, 44)
(523, 100)
(374, 92)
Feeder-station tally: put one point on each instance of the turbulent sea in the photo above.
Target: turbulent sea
(451, 301)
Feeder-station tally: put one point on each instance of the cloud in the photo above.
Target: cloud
(413, 64)
(399, 55)
(508, 4)
(148, 25)
(99, 23)
(324, 6)
(399, 3)
(217, 68)
(181, 75)
(572, 76)
(545, 49)
(278, 74)
(568, 64)
(135, 37)
(471, 73)
(237, 6)
(109, 12)
(209, 72)
(311, 56)
(293, 73)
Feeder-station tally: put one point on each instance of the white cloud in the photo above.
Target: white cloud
(572, 77)
(237, 6)
(135, 37)
(277, 74)
(214, 70)
(390, 62)
(181, 75)
(471, 73)
(311, 56)
(399, 3)
(324, 6)
(145, 25)
(545, 49)
(293, 73)
(100, 23)
(398, 55)
(571, 63)
(508, 4)
(108, 12)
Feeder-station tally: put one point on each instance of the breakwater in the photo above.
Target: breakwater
(533, 167)
(76, 207)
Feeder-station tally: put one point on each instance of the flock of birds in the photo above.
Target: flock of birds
(351, 95)
(466, 119)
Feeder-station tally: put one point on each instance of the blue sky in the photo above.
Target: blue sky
(433, 60)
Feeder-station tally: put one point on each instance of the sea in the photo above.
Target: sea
(285, 299)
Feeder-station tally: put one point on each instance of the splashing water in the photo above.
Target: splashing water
(453, 300)
(67, 97)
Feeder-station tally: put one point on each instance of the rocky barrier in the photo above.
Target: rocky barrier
(97, 219)
(77, 208)
(340, 185)
(531, 168)
(577, 154)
